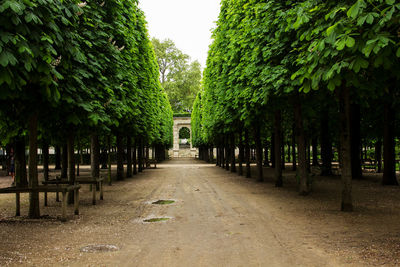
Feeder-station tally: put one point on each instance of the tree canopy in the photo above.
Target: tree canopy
(180, 78)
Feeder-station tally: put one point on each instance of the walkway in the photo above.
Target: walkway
(218, 219)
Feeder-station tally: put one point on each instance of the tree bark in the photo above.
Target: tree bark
(45, 151)
(232, 150)
(247, 152)
(259, 158)
(314, 144)
(134, 160)
(227, 153)
(326, 145)
(355, 137)
(345, 145)
(266, 161)
(278, 135)
(241, 154)
(71, 164)
(94, 156)
(389, 160)
(294, 159)
(283, 153)
(58, 158)
(34, 210)
(129, 156)
(140, 155)
(378, 154)
(64, 162)
(301, 145)
(21, 179)
(109, 160)
(273, 150)
(120, 158)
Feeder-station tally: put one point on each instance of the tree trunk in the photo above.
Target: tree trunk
(58, 158)
(278, 136)
(247, 152)
(21, 179)
(326, 145)
(120, 158)
(294, 159)
(227, 153)
(273, 150)
(345, 145)
(241, 154)
(134, 161)
(283, 154)
(71, 164)
(301, 145)
(140, 155)
(259, 158)
(64, 162)
(95, 156)
(109, 161)
(378, 154)
(355, 137)
(314, 144)
(34, 210)
(45, 152)
(389, 160)
(211, 154)
(266, 161)
(232, 150)
(129, 156)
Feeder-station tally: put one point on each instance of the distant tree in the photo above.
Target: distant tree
(180, 78)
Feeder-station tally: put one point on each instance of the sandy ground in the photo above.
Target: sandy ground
(218, 219)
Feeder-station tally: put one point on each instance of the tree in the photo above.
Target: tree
(180, 79)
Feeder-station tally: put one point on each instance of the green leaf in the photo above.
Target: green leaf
(390, 2)
(331, 29)
(350, 42)
(398, 52)
(341, 44)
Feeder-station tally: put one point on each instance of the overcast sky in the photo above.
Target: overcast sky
(186, 22)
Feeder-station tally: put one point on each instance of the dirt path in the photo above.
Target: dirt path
(218, 219)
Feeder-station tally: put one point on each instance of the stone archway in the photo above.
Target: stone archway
(177, 152)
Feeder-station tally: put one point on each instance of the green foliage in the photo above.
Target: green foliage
(82, 66)
(180, 79)
(264, 52)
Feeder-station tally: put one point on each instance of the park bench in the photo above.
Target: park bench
(94, 183)
(369, 164)
(64, 189)
(151, 161)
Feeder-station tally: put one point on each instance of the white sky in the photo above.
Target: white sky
(186, 22)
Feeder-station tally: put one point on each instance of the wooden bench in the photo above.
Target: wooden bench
(151, 161)
(78, 181)
(369, 165)
(64, 189)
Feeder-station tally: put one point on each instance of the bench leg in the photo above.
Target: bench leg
(57, 197)
(101, 190)
(17, 204)
(94, 195)
(64, 207)
(45, 199)
(76, 201)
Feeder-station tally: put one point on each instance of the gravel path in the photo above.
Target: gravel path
(217, 219)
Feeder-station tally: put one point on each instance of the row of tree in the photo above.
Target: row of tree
(320, 71)
(72, 69)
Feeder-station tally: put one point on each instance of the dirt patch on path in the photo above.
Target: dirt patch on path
(217, 219)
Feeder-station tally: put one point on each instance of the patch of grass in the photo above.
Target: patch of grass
(156, 220)
(163, 202)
